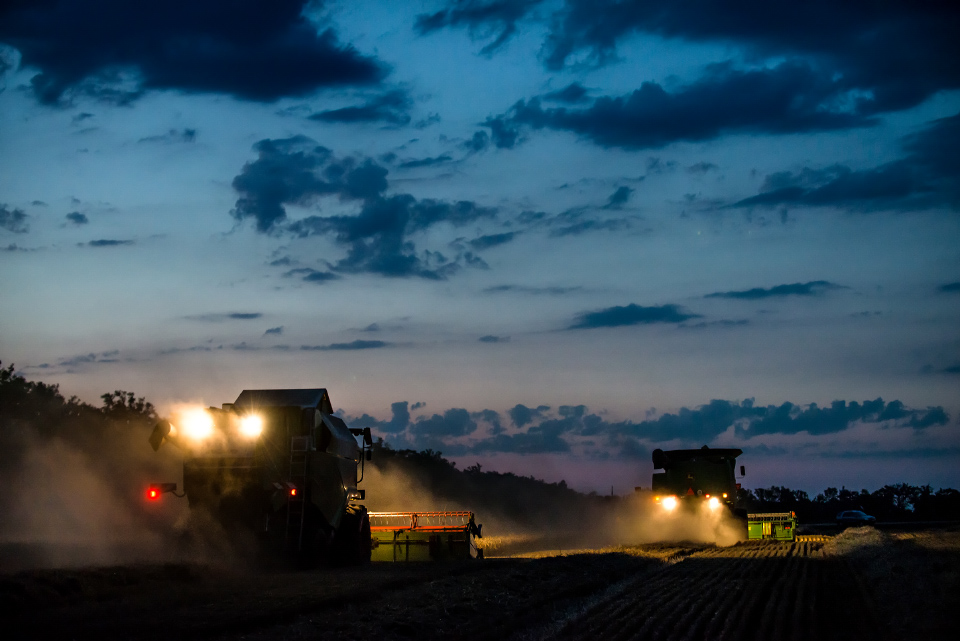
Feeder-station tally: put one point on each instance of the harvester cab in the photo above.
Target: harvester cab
(694, 479)
(279, 463)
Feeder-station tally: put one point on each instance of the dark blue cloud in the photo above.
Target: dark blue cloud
(248, 49)
(522, 415)
(619, 197)
(572, 93)
(298, 171)
(228, 316)
(543, 438)
(425, 162)
(107, 242)
(631, 315)
(77, 218)
(398, 422)
(847, 42)
(492, 240)
(494, 339)
(789, 98)
(275, 331)
(479, 16)
(534, 291)
(813, 288)
(353, 345)
(453, 423)
(391, 108)
(949, 288)
(14, 220)
(492, 418)
(791, 419)
(927, 176)
(174, 135)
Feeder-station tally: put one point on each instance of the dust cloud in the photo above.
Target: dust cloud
(78, 498)
(545, 518)
(644, 521)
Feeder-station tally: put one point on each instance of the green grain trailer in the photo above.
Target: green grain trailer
(423, 536)
(779, 526)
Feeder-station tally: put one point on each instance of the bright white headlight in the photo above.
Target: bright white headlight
(197, 424)
(669, 503)
(713, 503)
(251, 426)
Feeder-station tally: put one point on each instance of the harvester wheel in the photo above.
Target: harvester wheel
(351, 544)
(366, 542)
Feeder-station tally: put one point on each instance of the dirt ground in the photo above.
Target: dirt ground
(861, 584)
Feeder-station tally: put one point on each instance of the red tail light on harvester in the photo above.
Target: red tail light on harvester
(293, 492)
(156, 489)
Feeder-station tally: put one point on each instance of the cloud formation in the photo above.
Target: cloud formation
(927, 176)
(845, 41)
(107, 242)
(846, 47)
(813, 288)
(540, 429)
(391, 108)
(351, 346)
(77, 218)
(173, 135)
(631, 314)
(227, 316)
(251, 50)
(791, 97)
(14, 220)
(479, 16)
(297, 171)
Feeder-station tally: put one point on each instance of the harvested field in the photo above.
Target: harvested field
(858, 585)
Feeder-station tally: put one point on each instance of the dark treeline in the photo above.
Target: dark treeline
(32, 409)
(898, 502)
(65, 463)
(522, 501)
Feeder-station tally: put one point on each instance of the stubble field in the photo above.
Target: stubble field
(861, 584)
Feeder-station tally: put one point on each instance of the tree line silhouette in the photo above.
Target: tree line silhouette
(899, 502)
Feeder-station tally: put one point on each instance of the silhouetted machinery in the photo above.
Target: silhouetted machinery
(697, 479)
(425, 536)
(279, 463)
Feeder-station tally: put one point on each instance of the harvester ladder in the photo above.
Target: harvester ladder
(296, 504)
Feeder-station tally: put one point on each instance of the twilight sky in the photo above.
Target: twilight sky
(544, 235)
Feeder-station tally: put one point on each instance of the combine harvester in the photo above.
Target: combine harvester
(697, 480)
(424, 536)
(279, 464)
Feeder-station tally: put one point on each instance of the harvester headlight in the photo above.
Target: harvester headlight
(669, 503)
(197, 424)
(251, 426)
(713, 503)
